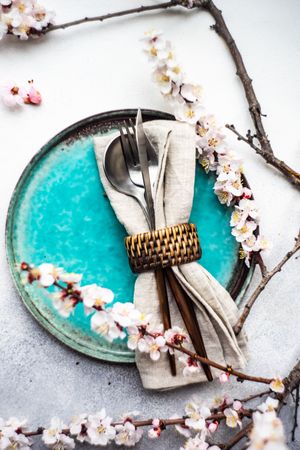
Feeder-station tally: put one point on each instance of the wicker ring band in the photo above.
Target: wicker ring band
(170, 246)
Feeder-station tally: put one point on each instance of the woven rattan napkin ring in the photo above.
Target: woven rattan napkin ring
(170, 246)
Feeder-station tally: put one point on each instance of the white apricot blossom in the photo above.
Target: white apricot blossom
(232, 418)
(78, 427)
(103, 323)
(127, 434)
(197, 416)
(270, 404)
(153, 345)
(48, 274)
(267, 432)
(99, 429)
(277, 385)
(54, 437)
(212, 150)
(24, 18)
(191, 365)
(95, 297)
(121, 313)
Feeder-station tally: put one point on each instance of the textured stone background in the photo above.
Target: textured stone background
(97, 67)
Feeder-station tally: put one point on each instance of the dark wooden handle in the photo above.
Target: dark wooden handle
(186, 308)
(165, 311)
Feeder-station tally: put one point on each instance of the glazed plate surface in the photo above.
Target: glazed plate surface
(59, 213)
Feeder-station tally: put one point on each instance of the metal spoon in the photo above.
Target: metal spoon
(116, 172)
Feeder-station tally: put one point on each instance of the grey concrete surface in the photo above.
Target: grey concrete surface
(78, 74)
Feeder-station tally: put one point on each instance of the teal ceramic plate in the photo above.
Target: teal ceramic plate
(60, 214)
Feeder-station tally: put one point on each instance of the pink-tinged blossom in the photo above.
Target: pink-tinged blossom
(213, 426)
(64, 304)
(191, 365)
(24, 18)
(156, 429)
(12, 95)
(33, 96)
(224, 377)
(237, 405)
(176, 336)
(78, 427)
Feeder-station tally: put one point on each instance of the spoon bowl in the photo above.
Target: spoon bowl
(116, 172)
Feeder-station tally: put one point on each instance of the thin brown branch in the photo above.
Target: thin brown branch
(218, 416)
(261, 286)
(239, 375)
(260, 262)
(222, 30)
(295, 424)
(254, 107)
(242, 434)
(102, 18)
(270, 158)
(291, 382)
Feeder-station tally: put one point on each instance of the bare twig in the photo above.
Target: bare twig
(254, 106)
(239, 375)
(295, 425)
(242, 434)
(291, 382)
(126, 12)
(270, 158)
(264, 281)
(221, 28)
(260, 262)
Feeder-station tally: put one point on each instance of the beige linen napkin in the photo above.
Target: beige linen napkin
(215, 309)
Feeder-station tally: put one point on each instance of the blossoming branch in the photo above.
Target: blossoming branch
(120, 320)
(13, 95)
(212, 149)
(198, 425)
(23, 18)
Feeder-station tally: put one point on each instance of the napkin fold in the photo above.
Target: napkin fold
(215, 309)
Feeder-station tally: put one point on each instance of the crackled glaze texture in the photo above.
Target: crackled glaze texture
(60, 214)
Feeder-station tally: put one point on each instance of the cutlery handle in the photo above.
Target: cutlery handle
(186, 308)
(165, 311)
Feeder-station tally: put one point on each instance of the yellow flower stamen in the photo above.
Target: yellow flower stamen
(164, 78)
(212, 142)
(202, 131)
(153, 51)
(176, 70)
(99, 302)
(190, 113)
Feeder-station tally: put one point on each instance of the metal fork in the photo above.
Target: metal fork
(132, 158)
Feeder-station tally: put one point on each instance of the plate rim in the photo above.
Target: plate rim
(240, 281)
